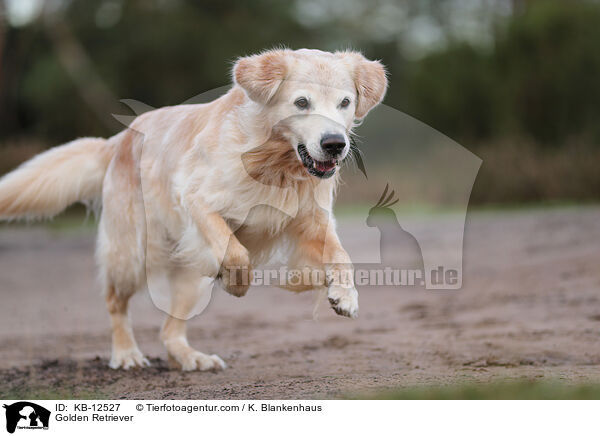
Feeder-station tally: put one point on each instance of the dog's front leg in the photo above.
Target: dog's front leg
(235, 269)
(318, 247)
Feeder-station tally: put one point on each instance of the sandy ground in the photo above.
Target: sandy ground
(530, 307)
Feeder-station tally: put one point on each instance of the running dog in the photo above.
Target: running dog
(179, 187)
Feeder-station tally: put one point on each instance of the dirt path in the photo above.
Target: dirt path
(530, 307)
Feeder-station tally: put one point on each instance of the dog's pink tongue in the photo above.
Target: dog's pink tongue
(325, 166)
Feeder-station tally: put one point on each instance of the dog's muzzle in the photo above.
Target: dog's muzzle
(321, 169)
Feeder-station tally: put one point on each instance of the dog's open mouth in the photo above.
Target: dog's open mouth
(322, 169)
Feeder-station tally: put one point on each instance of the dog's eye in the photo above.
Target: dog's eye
(301, 103)
(345, 102)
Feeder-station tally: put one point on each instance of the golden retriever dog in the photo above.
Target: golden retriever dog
(179, 187)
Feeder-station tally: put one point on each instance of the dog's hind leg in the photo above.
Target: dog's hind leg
(121, 248)
(125, 352)
(190, 293)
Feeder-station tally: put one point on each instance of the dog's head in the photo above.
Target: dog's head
(313, 99)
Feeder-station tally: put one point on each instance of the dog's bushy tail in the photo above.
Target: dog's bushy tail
(45, 185)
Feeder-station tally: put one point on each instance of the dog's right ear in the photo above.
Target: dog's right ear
(260, 75)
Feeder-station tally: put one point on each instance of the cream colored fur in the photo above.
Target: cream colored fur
(51, 181)
(179, 190)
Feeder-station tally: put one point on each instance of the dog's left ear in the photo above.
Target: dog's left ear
(260, 75)
(370, 80)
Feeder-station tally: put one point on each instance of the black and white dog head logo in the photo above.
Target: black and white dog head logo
(26, 415)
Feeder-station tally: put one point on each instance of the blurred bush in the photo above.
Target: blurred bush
(524, 172)
(538, 81)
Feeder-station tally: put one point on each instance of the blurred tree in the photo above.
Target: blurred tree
(539, 80)
(155, 51)
(547, 62)
(455, 92)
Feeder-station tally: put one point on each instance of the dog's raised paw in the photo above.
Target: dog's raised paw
(236, 272)
(128, 359)
(344, 301)
(230, 286)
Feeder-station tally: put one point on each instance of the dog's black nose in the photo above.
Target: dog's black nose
(333, 144)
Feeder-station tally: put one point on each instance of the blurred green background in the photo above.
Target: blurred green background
(514, 81)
